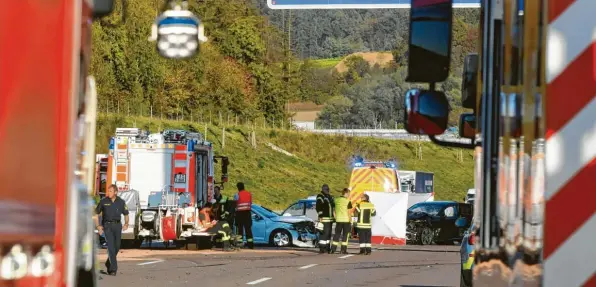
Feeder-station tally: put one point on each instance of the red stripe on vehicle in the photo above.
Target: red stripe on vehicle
(571, 91)
(569, 209)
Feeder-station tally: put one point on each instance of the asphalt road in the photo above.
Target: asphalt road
(388, 266)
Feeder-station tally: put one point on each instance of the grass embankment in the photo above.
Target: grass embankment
(276, 179)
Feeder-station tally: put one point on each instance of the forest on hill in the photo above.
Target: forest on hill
(258, 60)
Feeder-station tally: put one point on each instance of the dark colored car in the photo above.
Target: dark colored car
(434, 222)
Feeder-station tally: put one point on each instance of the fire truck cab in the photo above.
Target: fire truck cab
(171, 174)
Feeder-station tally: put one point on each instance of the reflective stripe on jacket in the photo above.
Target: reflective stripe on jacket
(365, 211)
(243, 201)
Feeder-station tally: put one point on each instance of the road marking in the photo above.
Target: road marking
(259, 281)
(346, 256)
(308, 266)
(150, 262)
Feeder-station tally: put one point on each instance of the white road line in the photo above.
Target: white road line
(346, 256)
(259, 281)
(308, 266)
(150, 262)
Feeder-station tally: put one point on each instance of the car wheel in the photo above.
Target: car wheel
(281, 238)
(426, 236)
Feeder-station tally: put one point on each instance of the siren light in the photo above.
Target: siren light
(177, 32)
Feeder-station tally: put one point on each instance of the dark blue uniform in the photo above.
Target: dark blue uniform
(112, 227)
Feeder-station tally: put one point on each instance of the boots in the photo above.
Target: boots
(251, 245)
(226, 245)
(362, 251)
(333, 249)
(368, 250)
(344, 249)
(322, 248)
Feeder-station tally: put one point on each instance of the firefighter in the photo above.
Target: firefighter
(342, 222)
(111, 208)
(324, 209)
(220, 203)
(365, 210)
(243, 215)
(221, 227)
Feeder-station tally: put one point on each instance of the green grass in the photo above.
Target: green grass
(326, 63)
(276, 180)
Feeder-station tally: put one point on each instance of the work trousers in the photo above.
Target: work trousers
(325, 238)
(113, 235)
(364, 237)
(341, 229)
(223, 228)
(244, 224)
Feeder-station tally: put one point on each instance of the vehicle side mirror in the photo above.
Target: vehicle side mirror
(461, 222)
(429, 46)
(427, 112)
(257, 217)
(468, 81)
(102, 8)
(467, 125)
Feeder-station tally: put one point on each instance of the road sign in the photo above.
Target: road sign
(357, 4)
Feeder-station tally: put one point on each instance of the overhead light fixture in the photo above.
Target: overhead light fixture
(178, 33)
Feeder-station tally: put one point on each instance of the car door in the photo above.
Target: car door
(259, 227)
(448, 228)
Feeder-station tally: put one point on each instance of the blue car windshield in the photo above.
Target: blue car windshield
(265, 211)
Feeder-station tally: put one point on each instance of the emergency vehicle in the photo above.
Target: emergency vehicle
(531, 86)
(379, 176)
(173, 174)
(47, 108)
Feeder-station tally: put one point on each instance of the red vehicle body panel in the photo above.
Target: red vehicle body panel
(41, 54)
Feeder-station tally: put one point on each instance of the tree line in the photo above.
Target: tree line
(257, 60)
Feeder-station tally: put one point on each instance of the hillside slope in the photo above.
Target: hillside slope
(277, 180)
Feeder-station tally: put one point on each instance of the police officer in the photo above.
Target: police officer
(365, 210)
(111, 208)
(243, 215)
(324, 209)
(342, 222)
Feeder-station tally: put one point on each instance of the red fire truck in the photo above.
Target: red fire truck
(46, 107)
(168, 176)
(531, 87)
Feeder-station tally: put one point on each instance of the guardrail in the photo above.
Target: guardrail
(396, 134)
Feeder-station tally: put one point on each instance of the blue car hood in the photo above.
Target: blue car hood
(291, 219)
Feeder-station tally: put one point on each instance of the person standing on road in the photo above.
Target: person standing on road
(243, 215)
(342, 222)
(324, 209)
(111, 208)
(365, 210)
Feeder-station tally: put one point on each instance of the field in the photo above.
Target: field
(277, 179)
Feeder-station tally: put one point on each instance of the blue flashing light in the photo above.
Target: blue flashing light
(112, 142)
(190, 145)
